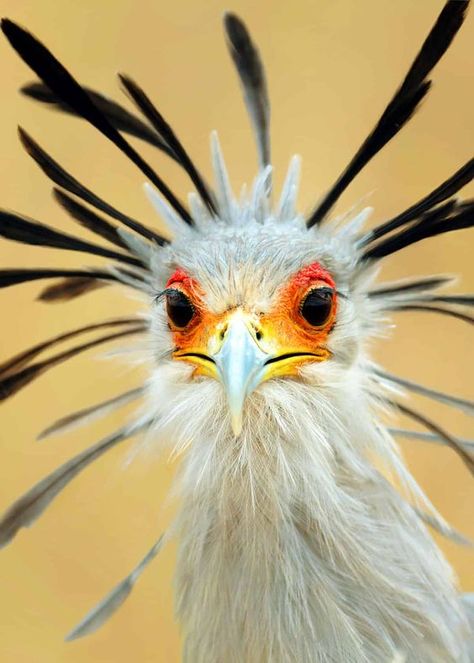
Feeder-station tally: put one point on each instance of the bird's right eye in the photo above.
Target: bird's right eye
(179, 308)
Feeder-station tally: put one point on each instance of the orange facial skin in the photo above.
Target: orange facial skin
(282, 331)
(194, 337)
(287, 329)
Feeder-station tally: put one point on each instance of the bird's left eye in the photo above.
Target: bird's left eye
(179, 308)
(316, 307)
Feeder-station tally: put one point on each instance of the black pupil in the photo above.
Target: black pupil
(316, 308)
(179, 308)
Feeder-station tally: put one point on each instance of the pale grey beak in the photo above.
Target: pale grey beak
(240, 365)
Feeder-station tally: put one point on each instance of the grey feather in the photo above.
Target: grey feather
(80, 417)
(460, 403)
(443, 528)
(29, 507)
(414, 285)
(426, 307)
(451, 441)
(104, 610)
(429, 437)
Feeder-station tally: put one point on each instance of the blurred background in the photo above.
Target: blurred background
(332, 65)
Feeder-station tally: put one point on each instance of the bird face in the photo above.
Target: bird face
(243, 335)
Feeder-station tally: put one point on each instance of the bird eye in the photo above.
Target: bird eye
(317, 305)
(179, 308)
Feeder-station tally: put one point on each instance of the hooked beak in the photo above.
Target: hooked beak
(240, 365)
(242, 355)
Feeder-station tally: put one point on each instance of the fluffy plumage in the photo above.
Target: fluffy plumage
(294, 545)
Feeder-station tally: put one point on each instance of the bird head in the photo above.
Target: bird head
(251, 300)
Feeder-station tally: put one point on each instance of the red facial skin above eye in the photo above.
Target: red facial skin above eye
(286, 317)
(308, 275)
(180, 276)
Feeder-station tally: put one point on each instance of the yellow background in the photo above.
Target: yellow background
(332, 65)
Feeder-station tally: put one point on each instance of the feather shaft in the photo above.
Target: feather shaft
(459, 403)
(445, 190)
(116, 114)
(26, 231)
(69, 288)
(451, 441)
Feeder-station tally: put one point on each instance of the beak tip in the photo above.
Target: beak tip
(236, 425)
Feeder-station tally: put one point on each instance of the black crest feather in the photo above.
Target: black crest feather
(61, 177)
(20, 360)
(69, 288)
(60, 81)
(15, 381)
(10, 277)
(29, 507)
(444, 191)
(403, 104)
(20, 229)
(159, 123)
(252, 76)
(91, 412)
(89, 219)
(116, 114)
(448, 217)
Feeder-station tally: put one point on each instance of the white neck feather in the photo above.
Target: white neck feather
(294, 548)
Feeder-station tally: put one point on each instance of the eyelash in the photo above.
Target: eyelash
(157, 298)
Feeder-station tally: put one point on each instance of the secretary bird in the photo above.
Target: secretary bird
(302, 534)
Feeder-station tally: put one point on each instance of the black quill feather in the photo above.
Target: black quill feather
(29, 507)
(23, 358)
(403, 104)
(89, 219)
(11, 277)
(69, 288)
(159, 123)
(451, 441)
(62, 83)
(447, 217)
(118, 116)
(20, 229)
(448, 188)
(91, 412)
(443, 310)
(14, 382)
(61, 177)
(249, 66)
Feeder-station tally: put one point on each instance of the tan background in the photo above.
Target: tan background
(332, 65)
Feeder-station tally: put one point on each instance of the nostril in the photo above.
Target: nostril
(258, 335)
(223, 333)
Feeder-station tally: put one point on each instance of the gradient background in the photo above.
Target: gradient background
(332, 66)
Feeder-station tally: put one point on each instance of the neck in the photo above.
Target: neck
(294, 548)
